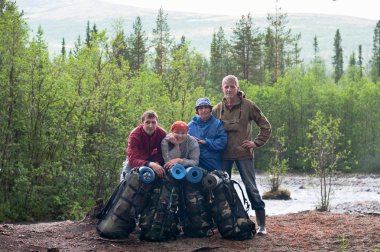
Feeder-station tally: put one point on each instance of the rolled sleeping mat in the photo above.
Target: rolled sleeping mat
(178, 171)
(194, 174)
(146, 174)
(211, 180)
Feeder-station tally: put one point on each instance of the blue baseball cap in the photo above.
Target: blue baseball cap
(203, 102)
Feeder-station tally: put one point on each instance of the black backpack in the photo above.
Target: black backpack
(227, 209)
(118, 217)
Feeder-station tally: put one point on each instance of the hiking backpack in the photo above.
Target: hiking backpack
(118, 218)
(195, 211)
(159, 219)
(227, 209)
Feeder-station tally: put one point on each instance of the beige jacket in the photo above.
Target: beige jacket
(237, 123)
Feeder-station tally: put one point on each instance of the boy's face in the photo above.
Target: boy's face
(150, 125)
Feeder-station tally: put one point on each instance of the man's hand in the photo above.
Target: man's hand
(159, 170)
(248, 144)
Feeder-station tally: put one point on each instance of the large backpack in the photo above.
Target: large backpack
(228, 211)
(159, 219)
(118, 218)
(195, 211)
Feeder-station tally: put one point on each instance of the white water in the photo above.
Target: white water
(349, 194)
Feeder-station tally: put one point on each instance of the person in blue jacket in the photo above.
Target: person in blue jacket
(210, 134)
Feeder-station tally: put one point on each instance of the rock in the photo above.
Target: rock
(53, 250)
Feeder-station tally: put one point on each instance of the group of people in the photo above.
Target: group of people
(215, 139)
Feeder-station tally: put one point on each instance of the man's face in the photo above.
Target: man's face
(204, 112)
(230, 90)
(150, 125)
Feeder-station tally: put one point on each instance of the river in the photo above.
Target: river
(350, 194)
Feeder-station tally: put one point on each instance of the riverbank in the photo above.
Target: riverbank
(306, 231)
(353, 224)
(350, 194)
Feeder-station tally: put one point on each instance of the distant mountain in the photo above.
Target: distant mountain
(68, 19)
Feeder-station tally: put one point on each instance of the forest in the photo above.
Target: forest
(64, 120)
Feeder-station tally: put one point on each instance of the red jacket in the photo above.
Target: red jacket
(143, 148)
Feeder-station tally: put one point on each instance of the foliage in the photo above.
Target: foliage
(377, 249)
(278, 164)
(64, 120)
(325, 153)
(280, 194)
(343, 242)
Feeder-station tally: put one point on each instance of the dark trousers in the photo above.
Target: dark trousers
(247, 174)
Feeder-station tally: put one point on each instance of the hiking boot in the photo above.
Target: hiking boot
(260, 218)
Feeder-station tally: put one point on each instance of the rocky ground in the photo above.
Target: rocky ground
(305, 231)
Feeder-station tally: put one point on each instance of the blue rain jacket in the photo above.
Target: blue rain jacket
(215, 136)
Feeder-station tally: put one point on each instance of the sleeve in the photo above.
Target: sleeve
(134, 159)
(215, 110)
(220, 140)
(168, 152)
(158, 157)
(265, 128)
(193, 153)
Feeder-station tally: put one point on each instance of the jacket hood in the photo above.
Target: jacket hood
(241, 94)
(198, 121)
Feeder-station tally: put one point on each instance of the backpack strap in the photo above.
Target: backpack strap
(168, 208)
(246, 203)
(115, 195)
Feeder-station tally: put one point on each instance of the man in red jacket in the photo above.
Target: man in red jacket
(144, 145)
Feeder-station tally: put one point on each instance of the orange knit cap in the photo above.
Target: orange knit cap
(179, 125)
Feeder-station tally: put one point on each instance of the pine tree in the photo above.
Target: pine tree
(352, 70)
(118, 44)
(282, 44)
(316, 49)
(296, 53)
(63, 49)
(375, 60)
(220, 62)
(245, 47)
(137, 46)
(352, 62)
(77, 46)
(162, 43)
(360, 61)
(88, 34)
(338, 57)
(269, 50)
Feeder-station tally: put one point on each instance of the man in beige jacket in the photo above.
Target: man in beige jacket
(237, 114)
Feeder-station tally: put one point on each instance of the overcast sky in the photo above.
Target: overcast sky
(357, 8)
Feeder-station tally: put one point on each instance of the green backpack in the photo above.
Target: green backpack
(228, 211)
(195, 211)
(159, 219)
(118, 218)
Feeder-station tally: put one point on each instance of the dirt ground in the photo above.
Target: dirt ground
(305, 231)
